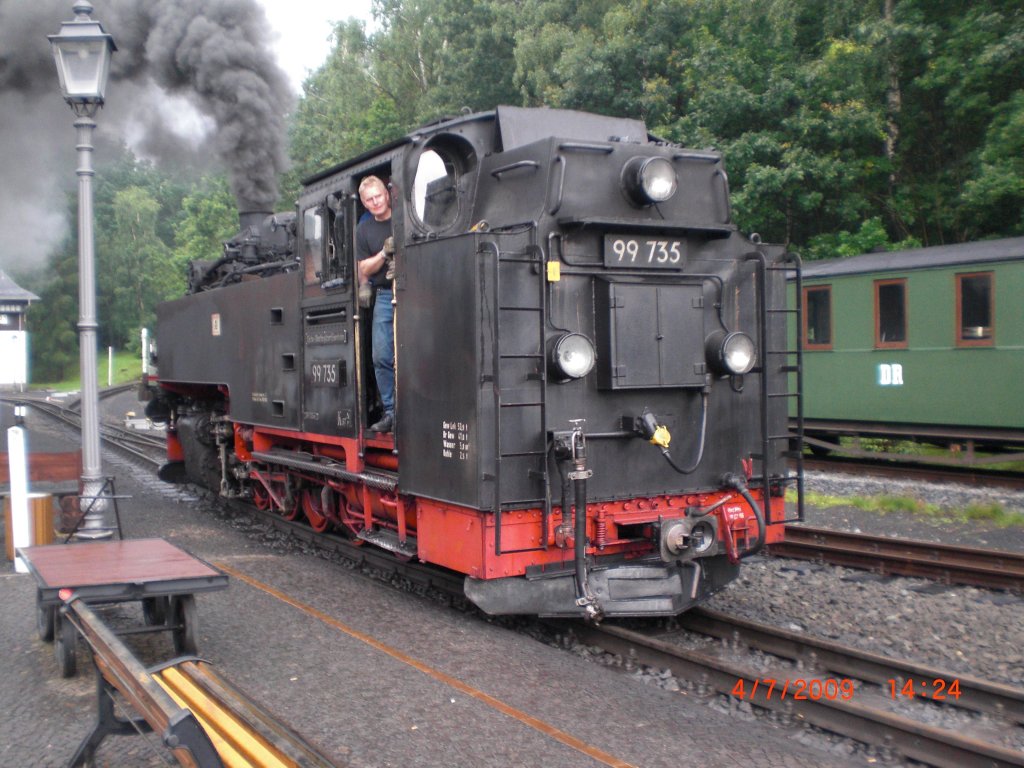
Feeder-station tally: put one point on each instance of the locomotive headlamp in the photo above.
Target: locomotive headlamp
(573, 356)
(730, 353)
(649, 180)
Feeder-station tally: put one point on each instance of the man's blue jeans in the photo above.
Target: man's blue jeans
(384, 348)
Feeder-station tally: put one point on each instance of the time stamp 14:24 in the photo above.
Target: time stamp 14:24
(831, 689)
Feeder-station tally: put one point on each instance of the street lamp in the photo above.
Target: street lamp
(82, 52)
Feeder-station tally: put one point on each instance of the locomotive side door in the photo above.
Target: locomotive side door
(329, 361)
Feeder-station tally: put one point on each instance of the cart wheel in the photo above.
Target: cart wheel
(44, 621)
(64, 646)
(154, 611)
(184, 621)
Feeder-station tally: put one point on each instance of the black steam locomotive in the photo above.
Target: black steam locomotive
(592, 366)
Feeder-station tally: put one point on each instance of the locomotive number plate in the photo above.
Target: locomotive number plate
(325, 373)
(642, 252)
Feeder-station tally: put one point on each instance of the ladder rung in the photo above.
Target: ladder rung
(520, 309)
(522, 453)
(783, 394)
(521, 405)
(527, 356)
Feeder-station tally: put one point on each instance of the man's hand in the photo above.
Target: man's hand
(389, 258)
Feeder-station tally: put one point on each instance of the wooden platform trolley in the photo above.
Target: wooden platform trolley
(200, 717)
(203, 719)
(163, 577)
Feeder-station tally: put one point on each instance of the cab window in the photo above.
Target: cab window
(434, 190)
(312, 246)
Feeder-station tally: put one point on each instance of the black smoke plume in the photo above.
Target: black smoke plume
(214, 54)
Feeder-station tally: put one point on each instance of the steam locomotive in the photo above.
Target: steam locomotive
(592, 366)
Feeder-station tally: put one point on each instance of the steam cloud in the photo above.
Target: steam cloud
(214, 54)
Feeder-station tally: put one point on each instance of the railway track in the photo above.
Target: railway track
(945, 563)
(143, 445)
(927, 473)
(875, 700)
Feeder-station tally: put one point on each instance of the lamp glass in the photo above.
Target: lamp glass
(83, 66)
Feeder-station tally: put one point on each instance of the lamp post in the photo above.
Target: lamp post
(82, 52)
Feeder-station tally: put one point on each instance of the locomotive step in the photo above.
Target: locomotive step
(389, 540)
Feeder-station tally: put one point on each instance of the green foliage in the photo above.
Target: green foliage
(134, 209)
(126, 367)
(870, 236)
(209, 216)
(844, 129)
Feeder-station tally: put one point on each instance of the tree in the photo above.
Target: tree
(142, 262)
(209, 216)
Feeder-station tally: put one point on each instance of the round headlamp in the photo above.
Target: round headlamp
(649, 180)
(731, 353)
(573, 356)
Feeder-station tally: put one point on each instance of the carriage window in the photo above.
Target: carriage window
(434, 190)
(975, 310)
(818, 317)
(312, 245)
(890, 314)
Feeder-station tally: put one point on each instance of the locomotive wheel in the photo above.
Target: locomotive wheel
(292, 512)
(185, 624)
(352, 522)
(314, 509)
(65, 641)
(260, 498)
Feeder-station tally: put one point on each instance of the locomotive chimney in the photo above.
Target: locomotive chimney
(251, 220)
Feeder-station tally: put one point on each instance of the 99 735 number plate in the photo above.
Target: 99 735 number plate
(642, 252)
(326, 373)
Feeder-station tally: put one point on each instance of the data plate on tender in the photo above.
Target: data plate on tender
(632, 252)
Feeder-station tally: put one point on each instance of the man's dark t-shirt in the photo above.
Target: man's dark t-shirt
(370, 237)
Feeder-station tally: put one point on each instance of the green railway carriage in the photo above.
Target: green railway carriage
(925, 344)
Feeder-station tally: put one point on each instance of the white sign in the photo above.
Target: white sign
(13, 357)
(890, 375)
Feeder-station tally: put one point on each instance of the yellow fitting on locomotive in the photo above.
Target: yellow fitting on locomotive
(661, 437)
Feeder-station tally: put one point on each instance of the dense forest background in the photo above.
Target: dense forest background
(846, 126)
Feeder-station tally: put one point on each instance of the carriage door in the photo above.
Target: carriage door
(329, 387)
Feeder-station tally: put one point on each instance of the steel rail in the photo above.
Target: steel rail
(929, 473)
(950, 564)
(818, 654)
(887, 730)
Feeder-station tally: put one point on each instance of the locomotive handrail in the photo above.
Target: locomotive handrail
(586, 146)
(497, 172)
(706, 157)
(641, 225)
(326, 315)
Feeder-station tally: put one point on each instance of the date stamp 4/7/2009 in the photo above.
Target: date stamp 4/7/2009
(843, 689)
